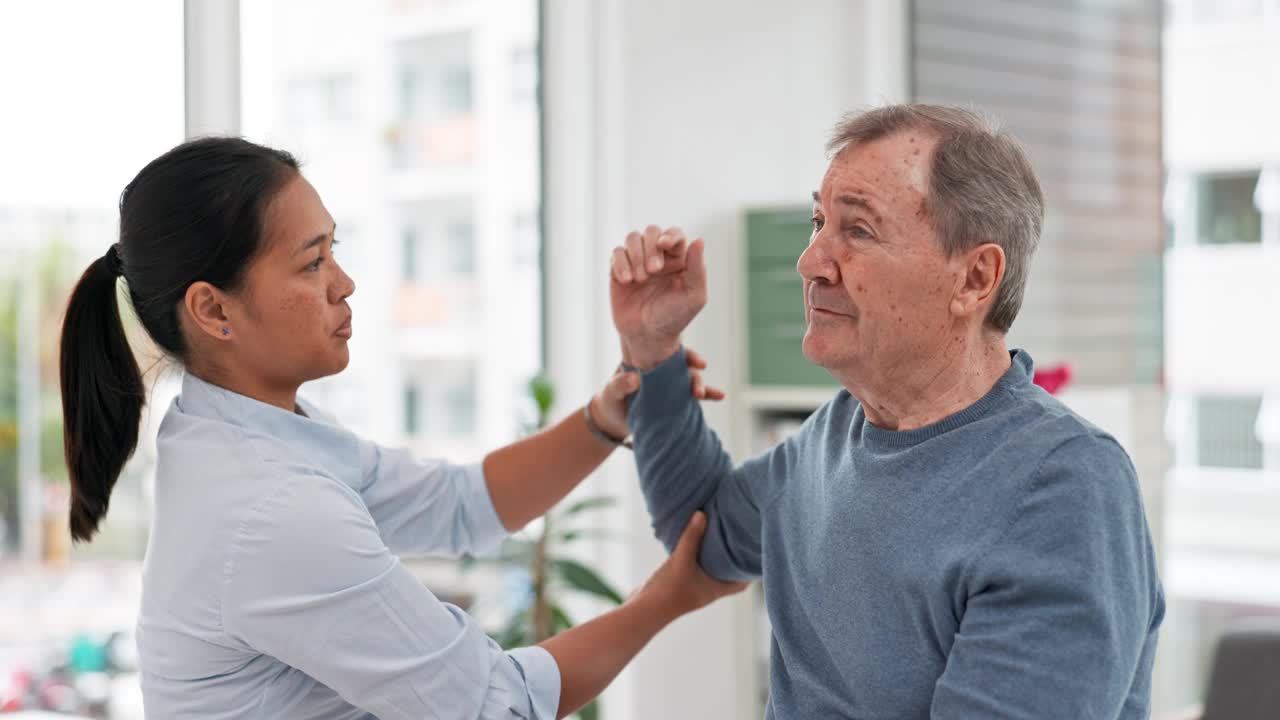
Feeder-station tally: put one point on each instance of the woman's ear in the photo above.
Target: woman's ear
(204, 305)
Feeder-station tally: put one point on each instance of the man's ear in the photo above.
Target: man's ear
(204, 305)
(983, 268)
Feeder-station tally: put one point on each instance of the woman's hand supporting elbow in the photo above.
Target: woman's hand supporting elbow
(591, 655)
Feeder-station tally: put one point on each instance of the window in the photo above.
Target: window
(412, 410)
(327, 98)
(1227, 432)
(524, 76)
(1226, 210)
(76, 58)
(404, 169)
(461, 251)
(409, 255)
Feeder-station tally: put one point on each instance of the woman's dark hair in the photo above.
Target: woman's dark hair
(193, 214)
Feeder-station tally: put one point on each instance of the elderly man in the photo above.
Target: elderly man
(942, 539)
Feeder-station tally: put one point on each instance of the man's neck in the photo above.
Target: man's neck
(914, 394)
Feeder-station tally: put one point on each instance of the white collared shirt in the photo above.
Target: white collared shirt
(272, 586)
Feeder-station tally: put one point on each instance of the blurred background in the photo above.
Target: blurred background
(482, 157)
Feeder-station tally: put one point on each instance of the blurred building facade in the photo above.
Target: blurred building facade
(417, 121)
(1222, 206)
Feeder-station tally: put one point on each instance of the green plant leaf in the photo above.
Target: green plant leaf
(568, 536)
(593, 503)
(584, 579)
(543, 393)
(590, 711)
(560, 620)
(516, 633)
(513, 552)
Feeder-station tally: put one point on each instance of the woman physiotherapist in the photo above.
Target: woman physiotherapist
(271, 586)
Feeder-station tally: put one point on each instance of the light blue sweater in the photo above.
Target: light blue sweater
(996, 563)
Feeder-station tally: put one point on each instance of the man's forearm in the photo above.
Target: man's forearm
(679, 459)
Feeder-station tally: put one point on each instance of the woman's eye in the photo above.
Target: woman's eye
(315, 265)
(816, 222)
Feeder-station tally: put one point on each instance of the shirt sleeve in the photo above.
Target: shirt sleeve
(1062, 613)
(429, 507)
(683, 468)
(310, 583)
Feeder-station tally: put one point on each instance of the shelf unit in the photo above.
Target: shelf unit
(772, 393)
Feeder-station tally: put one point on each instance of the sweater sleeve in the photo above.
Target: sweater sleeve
(683, 468)
(1060, 609)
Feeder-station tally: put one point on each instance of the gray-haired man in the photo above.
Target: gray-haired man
(942, 539)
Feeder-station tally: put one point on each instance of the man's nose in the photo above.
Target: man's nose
(815, 264)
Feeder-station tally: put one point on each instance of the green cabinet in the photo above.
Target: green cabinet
(775, 300)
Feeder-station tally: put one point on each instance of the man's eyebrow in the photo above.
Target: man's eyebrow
(859, 202)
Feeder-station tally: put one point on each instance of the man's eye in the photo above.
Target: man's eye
(816, 222)
(860, 232)
(315, 265)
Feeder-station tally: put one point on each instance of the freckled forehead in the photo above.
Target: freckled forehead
(892, 172)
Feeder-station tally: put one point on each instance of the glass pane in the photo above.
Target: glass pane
(417, 122)
(1227, 436)
(93, 91)
(1226, 209)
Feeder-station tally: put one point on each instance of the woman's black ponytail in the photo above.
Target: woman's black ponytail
(102, 394)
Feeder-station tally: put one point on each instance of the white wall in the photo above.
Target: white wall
(671, 112)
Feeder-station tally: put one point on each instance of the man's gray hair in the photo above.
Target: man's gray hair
(981, 187)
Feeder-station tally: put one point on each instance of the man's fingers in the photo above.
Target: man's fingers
(635, 253)
(713, 394)
(653, 261)
(673, 245)
(695, 359)
(621, 266)
(695, 270)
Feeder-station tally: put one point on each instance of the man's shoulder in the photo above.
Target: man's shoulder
(1041, 421)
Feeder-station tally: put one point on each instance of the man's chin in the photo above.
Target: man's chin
(813, 347)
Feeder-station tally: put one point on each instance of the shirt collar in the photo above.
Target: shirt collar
(313, 440)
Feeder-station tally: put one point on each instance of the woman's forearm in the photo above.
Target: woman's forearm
(529, 476)
(591, 655)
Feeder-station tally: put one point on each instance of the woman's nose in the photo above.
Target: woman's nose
(342, 288)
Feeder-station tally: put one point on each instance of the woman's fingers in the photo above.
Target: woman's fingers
(621, 385)
(701, 390)
(691, 539)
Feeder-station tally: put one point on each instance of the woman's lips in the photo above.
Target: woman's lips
(344, 330)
